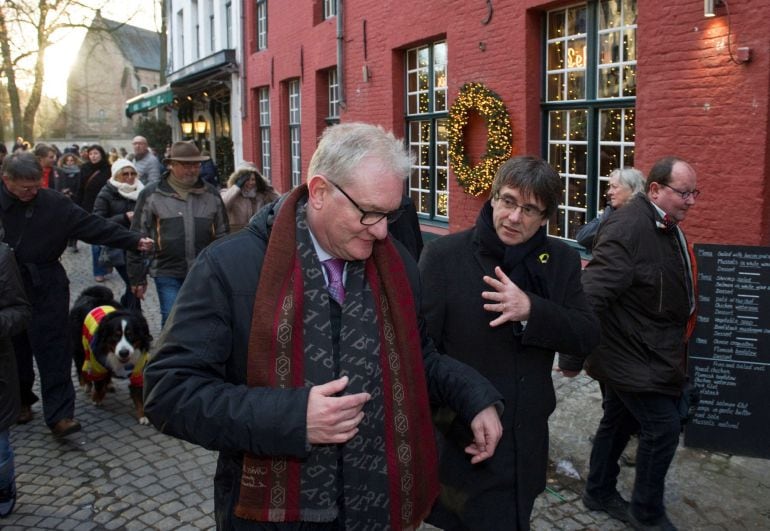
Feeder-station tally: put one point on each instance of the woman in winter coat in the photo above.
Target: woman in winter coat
(247, 191)
(15, 312)
(93, 174)
(116, 201)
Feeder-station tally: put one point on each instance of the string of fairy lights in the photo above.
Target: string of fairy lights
(477, 97)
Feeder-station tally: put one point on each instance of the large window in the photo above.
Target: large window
(261, 24)
(590, 97)
(334, 97)
(294, 132)
(426, 126)
(264, 130)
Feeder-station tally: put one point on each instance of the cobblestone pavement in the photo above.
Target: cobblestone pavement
(118, 475)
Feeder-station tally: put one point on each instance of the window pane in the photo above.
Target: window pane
(609, 85)
(576, 86)
(558, 157)
(609, 14)
(558, 125)
(576, 220)
(556, 55)
(577, 192)
(555, 87)
(629, 80)
(576, 20)
(577, 125)
(556, 24)
(609, 160)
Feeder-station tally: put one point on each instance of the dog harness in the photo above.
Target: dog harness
(93, 370)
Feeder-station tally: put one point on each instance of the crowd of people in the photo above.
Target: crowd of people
(349, 378)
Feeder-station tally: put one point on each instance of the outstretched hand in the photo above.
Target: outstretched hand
(334, 419)
(507, 299)
(487, 431)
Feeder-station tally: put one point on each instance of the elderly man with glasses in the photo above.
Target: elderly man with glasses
(297, 350)
(503, 297)
(183, 215)
(640, 283)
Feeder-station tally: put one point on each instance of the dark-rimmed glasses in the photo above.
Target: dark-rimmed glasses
(685, 194)
(370, 217)
(509, 203)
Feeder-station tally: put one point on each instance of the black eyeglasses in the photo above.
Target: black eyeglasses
(509, 203)
(370, 217)
(685, 194)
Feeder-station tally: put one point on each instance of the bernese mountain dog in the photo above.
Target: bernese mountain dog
(109, 341)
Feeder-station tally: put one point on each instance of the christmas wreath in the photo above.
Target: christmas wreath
(475, 96)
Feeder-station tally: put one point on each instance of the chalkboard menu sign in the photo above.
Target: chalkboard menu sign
(730, 351)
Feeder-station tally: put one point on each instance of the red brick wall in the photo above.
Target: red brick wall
(692, 101)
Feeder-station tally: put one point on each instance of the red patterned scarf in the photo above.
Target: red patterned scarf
(276, 489)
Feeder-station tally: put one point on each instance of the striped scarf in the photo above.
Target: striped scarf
(385, 477)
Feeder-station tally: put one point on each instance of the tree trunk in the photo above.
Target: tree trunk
(10, 75)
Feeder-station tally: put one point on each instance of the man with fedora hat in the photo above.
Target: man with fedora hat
(183, 214)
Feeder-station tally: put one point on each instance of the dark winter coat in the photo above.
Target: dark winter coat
(195, 385)
(498, 494)
(92, 179)
(15, 312)
(636, 284)
(113, 206)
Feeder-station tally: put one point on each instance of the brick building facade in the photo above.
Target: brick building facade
(590, 86)
(115, 63)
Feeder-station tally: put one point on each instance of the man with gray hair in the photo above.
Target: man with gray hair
(297, 351)
(146, 164)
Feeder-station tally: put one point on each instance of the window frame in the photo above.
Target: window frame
(329, 9)
(261, 18)
(431, 201)
(263, 99)
(595, 108)
(294, 122)
(333, 94)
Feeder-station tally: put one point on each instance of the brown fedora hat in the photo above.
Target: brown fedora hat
(185, 152)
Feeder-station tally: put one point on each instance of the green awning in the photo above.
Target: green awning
(149, 100)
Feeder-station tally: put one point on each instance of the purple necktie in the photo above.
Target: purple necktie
(334, 268)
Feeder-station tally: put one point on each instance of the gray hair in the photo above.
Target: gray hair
(343, 147)
(22, 165)
(631, 178)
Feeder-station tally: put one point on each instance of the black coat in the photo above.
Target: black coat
(499, 493)
(113, 206)
(15, 312)
(636, 284)
(195, 385)
(92, 179)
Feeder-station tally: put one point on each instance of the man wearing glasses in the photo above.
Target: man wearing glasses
(640, 283)
(183, 215)
(297, 350)
(503, 297)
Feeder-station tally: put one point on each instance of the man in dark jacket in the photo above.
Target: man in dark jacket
(183, 214)
(15, 313)
(640, 284)
(38, 223)
(296, 350)
(503, 297)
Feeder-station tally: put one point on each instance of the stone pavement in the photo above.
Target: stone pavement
(118, 475)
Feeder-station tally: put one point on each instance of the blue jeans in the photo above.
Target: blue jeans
(99, 271)
(168, 288)
(7, 474)
(656, 418)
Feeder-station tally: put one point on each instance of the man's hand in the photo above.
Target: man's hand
(333, 419)
(487, 431)
(139, 291)
(508, 299)
(145, 244)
